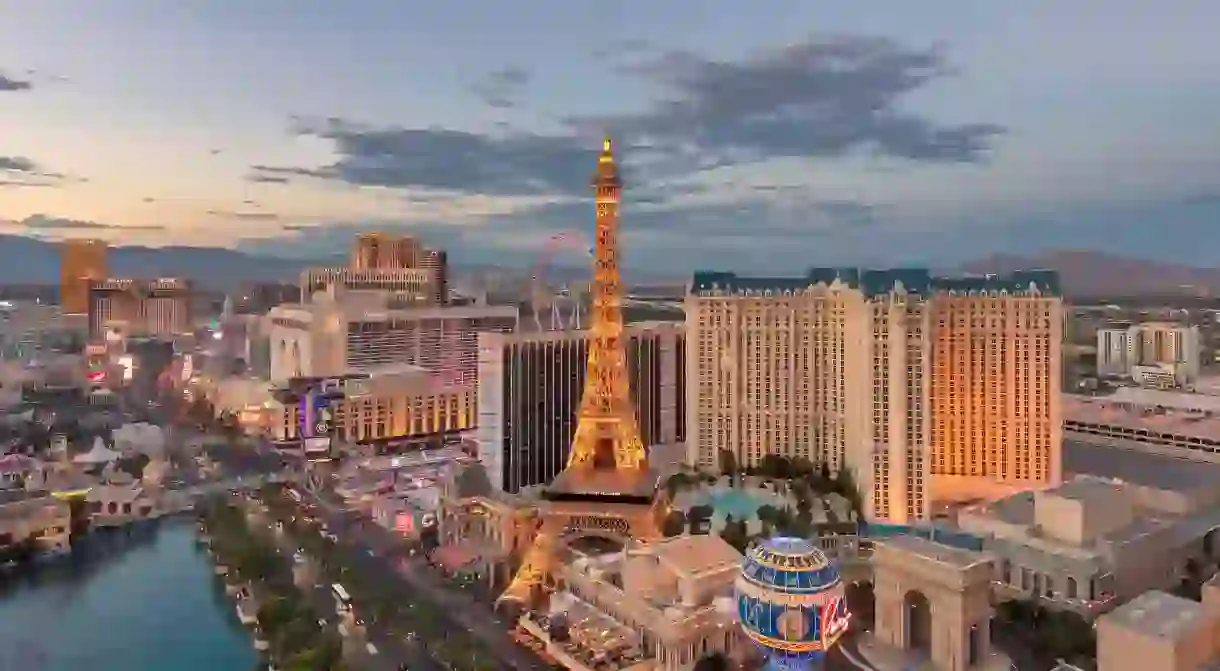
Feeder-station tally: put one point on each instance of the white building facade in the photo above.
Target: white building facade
(342, 331)
(894, 374)
(1153, 354)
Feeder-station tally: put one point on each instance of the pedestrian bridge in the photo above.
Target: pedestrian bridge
(237, 484)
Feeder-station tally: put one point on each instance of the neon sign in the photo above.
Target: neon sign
(835, 619)
(597, 523)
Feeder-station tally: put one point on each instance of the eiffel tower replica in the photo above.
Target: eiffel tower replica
(607, 489)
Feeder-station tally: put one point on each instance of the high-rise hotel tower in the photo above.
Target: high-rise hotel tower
(897, 374)
(530, 387)
(81, 262)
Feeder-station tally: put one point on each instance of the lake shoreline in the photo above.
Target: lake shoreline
(138, 598)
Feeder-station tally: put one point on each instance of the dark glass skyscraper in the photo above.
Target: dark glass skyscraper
(529, 396)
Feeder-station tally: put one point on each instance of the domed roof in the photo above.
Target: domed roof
(788, 564)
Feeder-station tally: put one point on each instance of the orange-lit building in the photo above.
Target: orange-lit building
(899, 375)
(396, 263)
(81, 262)
(393, 403)
(160, 307)
(996, 348)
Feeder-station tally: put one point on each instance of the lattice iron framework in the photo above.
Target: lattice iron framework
(607, 427)
(607, 437)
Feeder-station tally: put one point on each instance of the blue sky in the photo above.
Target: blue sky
(768, 134)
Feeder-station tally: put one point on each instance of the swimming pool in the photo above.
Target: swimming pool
(739, 503)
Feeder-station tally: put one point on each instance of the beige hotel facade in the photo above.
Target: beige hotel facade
(899, 375)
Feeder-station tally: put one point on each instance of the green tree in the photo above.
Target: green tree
(674, 523)
(845, 486)
(19, 552)
(768, 513)
(677, 483)
(298, 634)
(698, 517)
(776, 466)
(728, 463)
(134, 465)
(801, 467)
(734, 533)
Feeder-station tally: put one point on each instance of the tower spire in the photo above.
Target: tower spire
(607, 482)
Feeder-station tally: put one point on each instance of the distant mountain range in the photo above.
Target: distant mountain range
(30, 261)
(1084, 273)
(1094, 274)
(26, 260)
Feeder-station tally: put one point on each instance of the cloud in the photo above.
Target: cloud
(18, 171)
(447, 160)
(10, 84)
(18, 184)
(245, 216)
(500, 88)
(822, 98)
(265, 175)
(43, 222)
(17, 164)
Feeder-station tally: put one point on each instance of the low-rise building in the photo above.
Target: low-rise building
(1160, 631)
(15, 468)
(470, 511)
(114, 505)
(247, 398)
(670, 603)
(1178, 424)
(392, 403)
(41, 520)
(1092, 543)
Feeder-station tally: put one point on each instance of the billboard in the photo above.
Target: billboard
(316, 416)
(316, 449)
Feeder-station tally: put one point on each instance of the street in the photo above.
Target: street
(370, 549)
(392, 651)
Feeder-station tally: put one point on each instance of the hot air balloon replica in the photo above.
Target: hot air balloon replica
(790, 600)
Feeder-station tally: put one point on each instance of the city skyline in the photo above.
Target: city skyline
(904, 136)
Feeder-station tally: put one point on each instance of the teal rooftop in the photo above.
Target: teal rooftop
(879, 282)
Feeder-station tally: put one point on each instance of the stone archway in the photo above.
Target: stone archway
(917, 611)
(933, 599)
